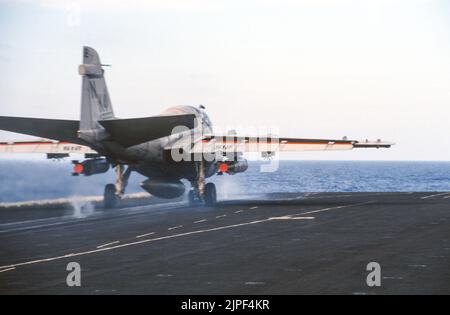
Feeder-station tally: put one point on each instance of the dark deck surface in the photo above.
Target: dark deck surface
(268, 244)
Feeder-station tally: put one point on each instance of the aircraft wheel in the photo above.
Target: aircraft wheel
(191, 198)
(109, 197)
(210, 194)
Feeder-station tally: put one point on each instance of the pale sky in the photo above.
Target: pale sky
(308, 68)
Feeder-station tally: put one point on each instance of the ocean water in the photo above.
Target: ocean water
(35, 180)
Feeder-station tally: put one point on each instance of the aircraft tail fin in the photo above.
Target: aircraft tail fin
(95, 101)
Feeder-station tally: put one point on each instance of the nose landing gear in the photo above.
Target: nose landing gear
(208, 198)
(210, 194)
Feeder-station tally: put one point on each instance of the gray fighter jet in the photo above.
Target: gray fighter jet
(177, 144)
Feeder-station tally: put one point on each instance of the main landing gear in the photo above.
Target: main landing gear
(114, 192)
(202, 193)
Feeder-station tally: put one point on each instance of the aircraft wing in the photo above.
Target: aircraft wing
(44, 146)
(129, 132)
(57, 129)
(126, 132)
(225, 144)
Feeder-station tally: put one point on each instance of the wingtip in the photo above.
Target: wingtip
(373, 144)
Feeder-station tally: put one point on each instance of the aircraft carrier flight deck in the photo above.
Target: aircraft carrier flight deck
(290, 243)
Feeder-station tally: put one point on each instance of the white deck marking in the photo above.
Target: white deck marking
(417, 266)
(221, 216)
(288, 217)
(239, 211)
(174, 227)
(220, 228)
(8, 269)
(333, 208)
(70, 220)
(253, 208)
(107, 244)
(144, 235)
(31, 221)
(34, 227)
(200, 221)
(436, 195)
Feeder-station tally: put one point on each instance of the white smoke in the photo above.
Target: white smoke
(82, 208)
(228, 187)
